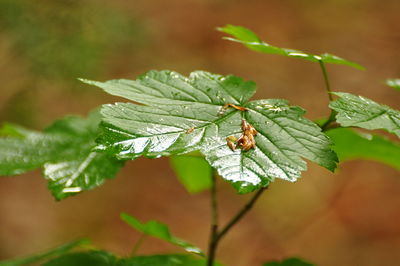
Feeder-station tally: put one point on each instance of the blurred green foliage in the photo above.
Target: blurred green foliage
(65, 38)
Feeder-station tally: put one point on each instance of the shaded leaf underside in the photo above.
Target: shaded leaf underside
(352, 145)
(182, 114)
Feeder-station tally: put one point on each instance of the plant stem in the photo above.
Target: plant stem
(326, 79)
(217, 235)
(213, 242)
(138, 244)
(331, 118)
(246, 208)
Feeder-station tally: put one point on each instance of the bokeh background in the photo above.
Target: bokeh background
(350, 218)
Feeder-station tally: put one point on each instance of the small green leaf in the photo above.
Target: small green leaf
(161, 231)
(352, 145)
(46, 255)
(289, 262)
(64, 150)
(361, 112)
(253, 42)
(394, 83)
(103, 258)
(193, 172)
(163, 260)
(199, 113)
(91, 258)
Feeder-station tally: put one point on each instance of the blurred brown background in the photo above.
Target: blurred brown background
(350, 218)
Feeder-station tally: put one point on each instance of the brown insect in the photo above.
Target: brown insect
(231, 142)
(227, 105)
(246, 140)
(246, 127)
(190, 130)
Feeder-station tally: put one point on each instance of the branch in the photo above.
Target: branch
(213, 242)
(331, 118)
(246, 208)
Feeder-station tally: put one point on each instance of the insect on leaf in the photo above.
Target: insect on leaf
(248, 143)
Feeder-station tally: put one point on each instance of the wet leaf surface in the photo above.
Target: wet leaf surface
(178, 115)
(358, 111)
(64, 150)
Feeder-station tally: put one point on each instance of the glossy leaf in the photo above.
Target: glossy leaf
(163, 260)
(253, 42)
(358, 111)
(45, 255)
(289, 262)
(64, 150)
(95, 258)
(352, 145)
(103, 258)
(394, 83)
(194, 172)
(182, 114)
(161, 231)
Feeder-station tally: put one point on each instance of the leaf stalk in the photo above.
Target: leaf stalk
(332, 115)
(217, 235)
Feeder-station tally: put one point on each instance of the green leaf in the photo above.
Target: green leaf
(45, 255)
(161, 231)
(361, 112)
(253, 42)
(192, 171)
(182, 115)
(103, 258)
(352, 145)
(289, 262)
(64, 150)
(92, 258)
(163, 260)
(394, 83)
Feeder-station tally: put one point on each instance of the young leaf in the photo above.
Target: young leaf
(64, 150)
(45, 255)
(361, 112)
(181, 115)
(289, 262)
(192, 171)
(161, 231)
(394, 83)
(253, 42)
(351, 145)
(95, 258)
(103, 258)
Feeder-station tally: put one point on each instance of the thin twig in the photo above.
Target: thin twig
(326, 79)
(332, 115)
(213, 242)
(246, 208)
(138, 244)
